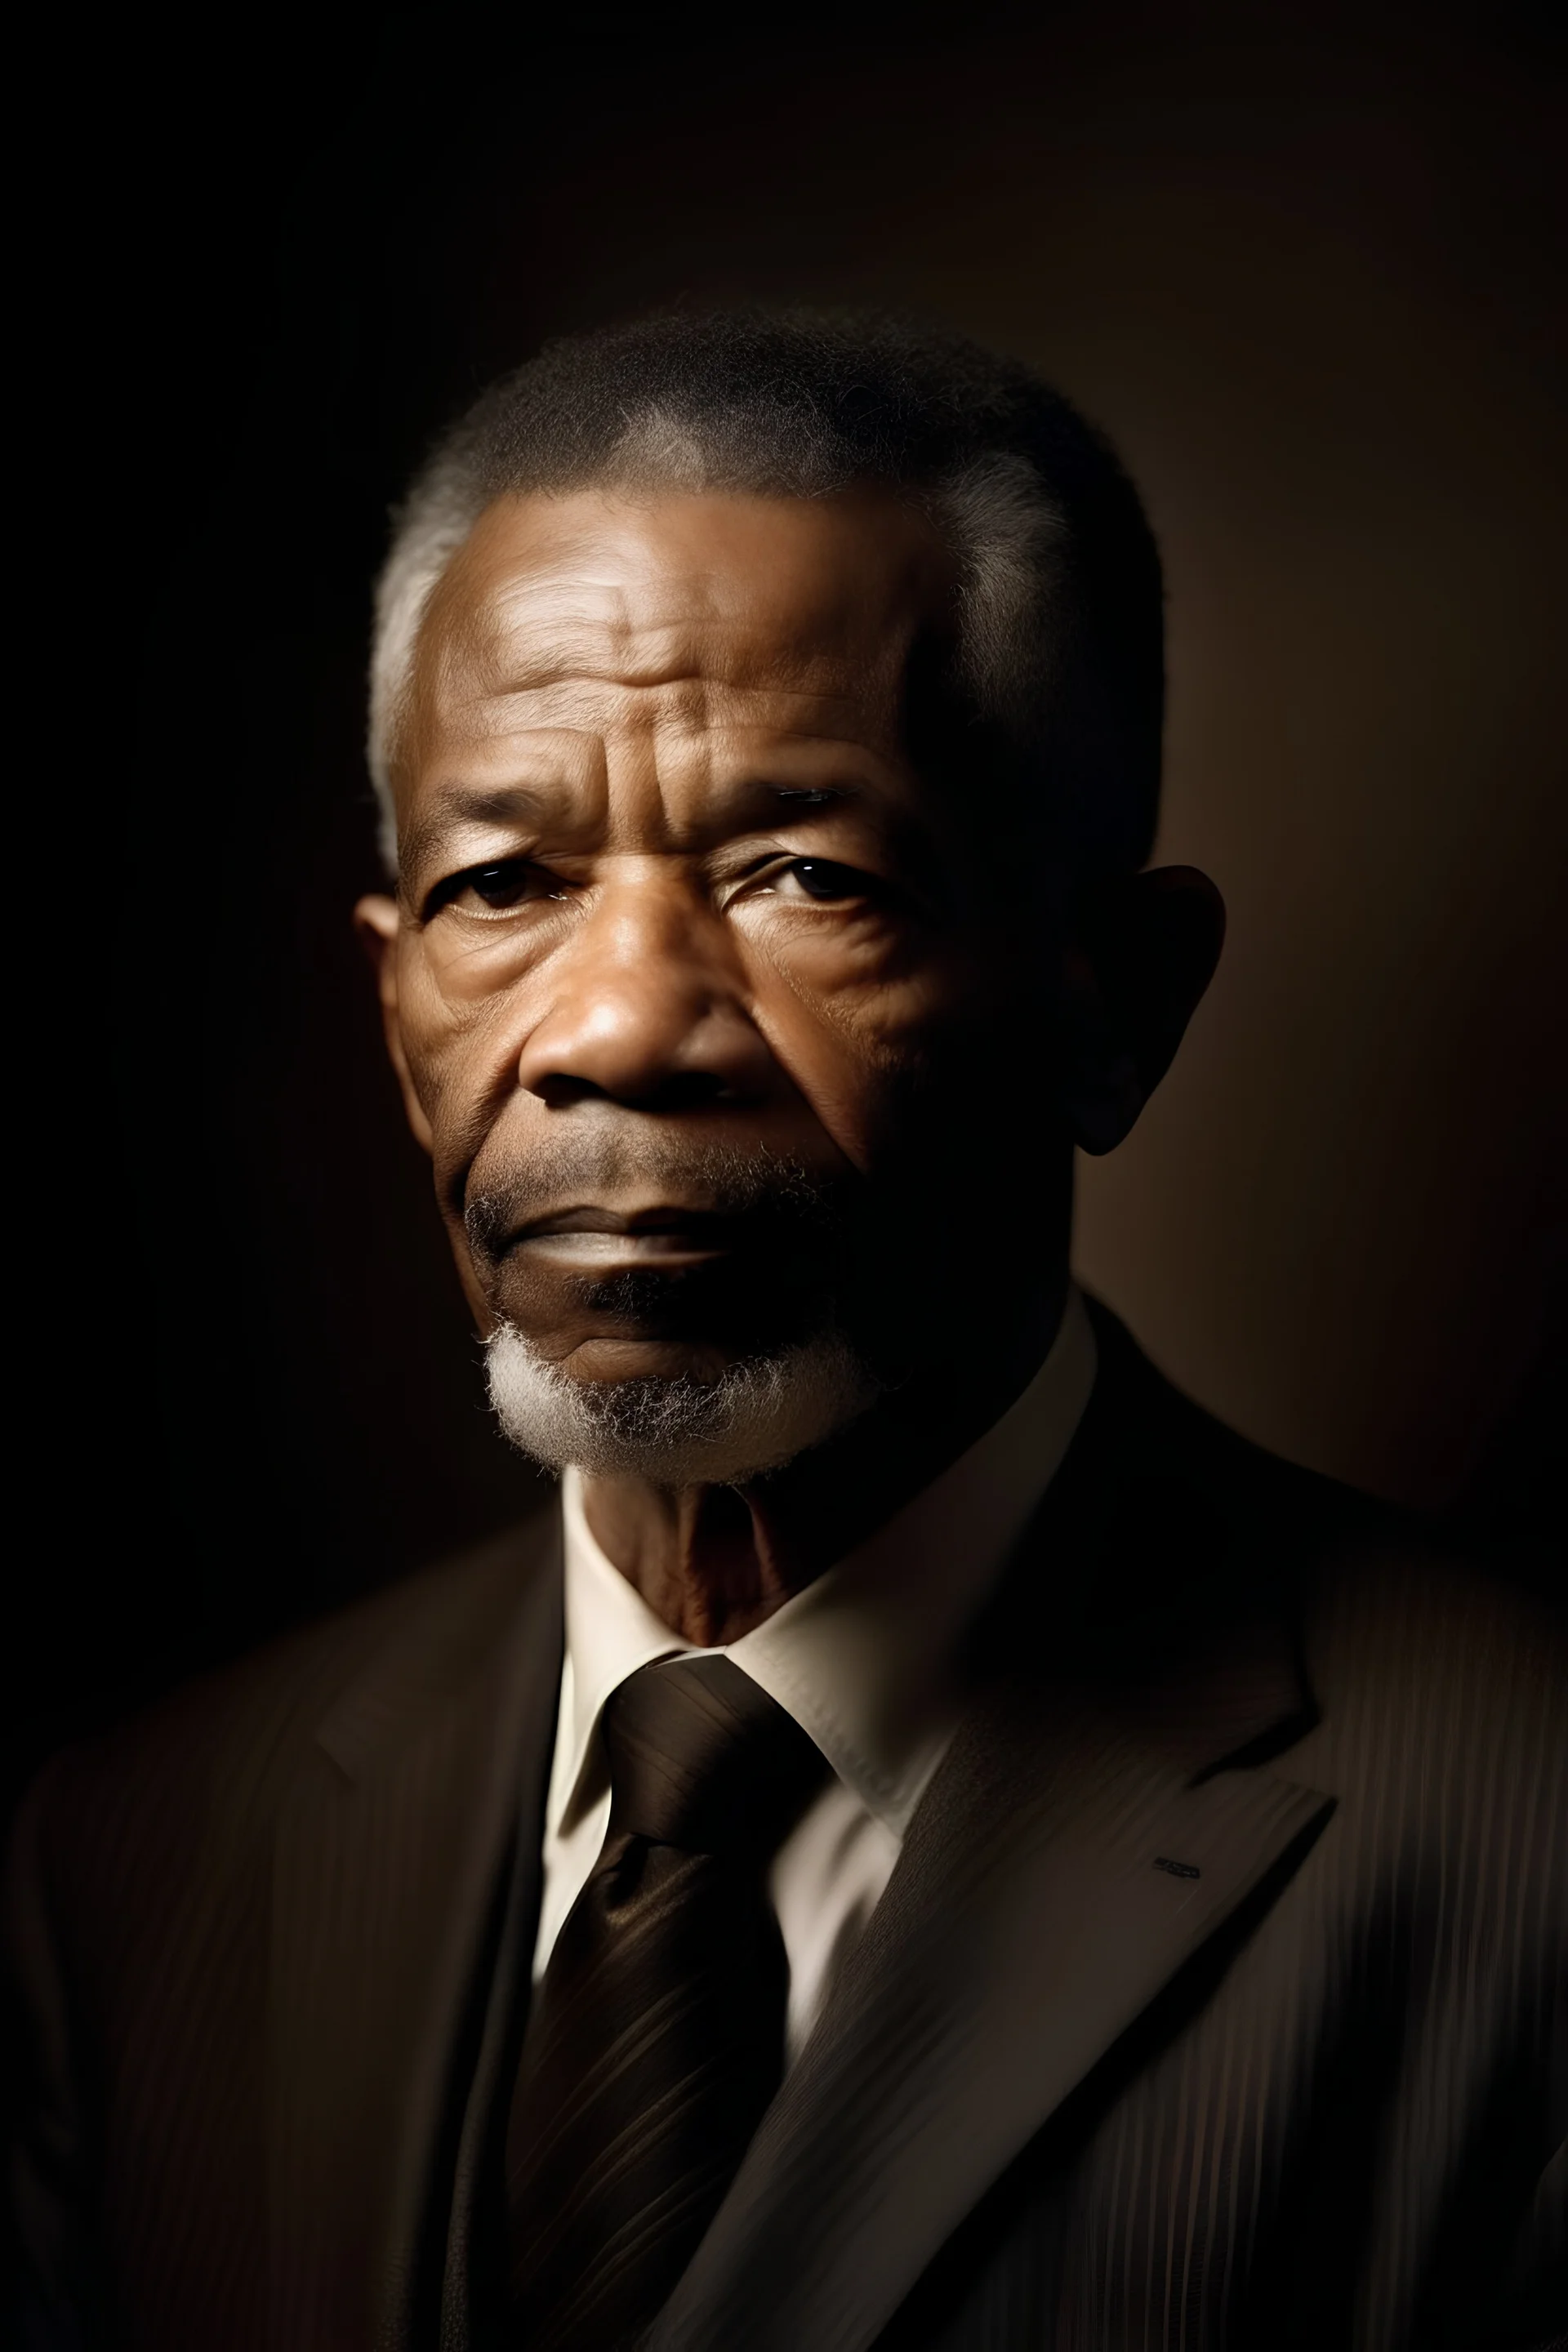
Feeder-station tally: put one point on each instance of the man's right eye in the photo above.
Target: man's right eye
(503, 884)
(507, 882)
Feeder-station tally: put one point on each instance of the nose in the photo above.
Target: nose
(646, 1007)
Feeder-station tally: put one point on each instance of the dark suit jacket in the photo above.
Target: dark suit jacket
(1211, 2003)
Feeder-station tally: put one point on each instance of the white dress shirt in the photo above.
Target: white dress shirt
(863, 1659)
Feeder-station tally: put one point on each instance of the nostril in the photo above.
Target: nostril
(671, 1090)
(691, 1090)
(558, 1090)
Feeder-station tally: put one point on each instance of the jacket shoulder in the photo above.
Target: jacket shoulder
(212, 1761)
(1420, 1656)
(1180, 1505)
(1414, 1647)
(1418, 1653)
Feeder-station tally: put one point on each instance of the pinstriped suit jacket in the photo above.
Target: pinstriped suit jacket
(1212, 2004)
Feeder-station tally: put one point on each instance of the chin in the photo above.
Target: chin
(612, 1362)
(674, 1413)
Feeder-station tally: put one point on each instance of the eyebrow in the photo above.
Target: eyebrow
(469, 804)
(509, 804)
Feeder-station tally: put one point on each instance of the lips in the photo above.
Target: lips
(596, 1240)
(587, 1240)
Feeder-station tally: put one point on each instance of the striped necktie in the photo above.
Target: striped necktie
(656, 2039)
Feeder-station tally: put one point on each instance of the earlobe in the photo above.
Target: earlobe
(1132, 982)
(377, 922)
(1100, 1081)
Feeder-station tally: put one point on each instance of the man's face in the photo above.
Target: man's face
(706, 1000)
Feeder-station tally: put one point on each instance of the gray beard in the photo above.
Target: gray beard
(755, 1416)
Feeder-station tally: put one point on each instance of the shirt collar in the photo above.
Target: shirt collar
(863, 1658)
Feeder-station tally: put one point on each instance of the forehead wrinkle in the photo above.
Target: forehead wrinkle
(590, 628)
(685, 701)
(651, 657)
(628, 567)
(689, 676)
(798, 693)
(555, 648)
(596, 630)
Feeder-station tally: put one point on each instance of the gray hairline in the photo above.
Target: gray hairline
(995, 510)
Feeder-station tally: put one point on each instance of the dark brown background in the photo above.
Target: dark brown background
(1302, 267)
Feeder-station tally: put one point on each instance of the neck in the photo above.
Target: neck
(715, 1561)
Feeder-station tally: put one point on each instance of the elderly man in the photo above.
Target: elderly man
(934, 1843)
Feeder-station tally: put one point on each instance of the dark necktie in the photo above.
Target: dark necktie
(657, 2035)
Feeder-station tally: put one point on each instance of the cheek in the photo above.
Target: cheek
(861, 1031)
(462, 1052)
(466, 963)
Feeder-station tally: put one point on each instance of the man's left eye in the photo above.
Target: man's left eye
(823, 879)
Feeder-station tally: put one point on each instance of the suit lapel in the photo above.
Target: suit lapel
(390, 1865)
(1030, 1923)
(1078, 1847)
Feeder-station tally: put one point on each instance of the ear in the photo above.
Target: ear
(1142, 957)
(377, 922)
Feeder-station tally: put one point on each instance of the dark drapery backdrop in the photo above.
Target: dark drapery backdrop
(1299, 263)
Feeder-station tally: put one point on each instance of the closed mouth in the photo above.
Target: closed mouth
(584, 1247)
(661, 1237)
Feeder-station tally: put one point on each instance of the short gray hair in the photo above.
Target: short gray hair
(1059, 640)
